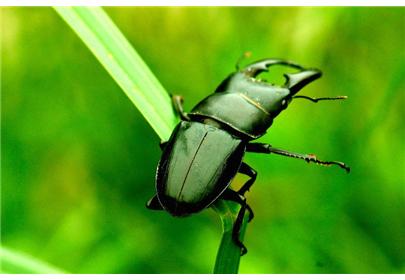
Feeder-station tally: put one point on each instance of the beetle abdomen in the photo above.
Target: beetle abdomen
(196, 167)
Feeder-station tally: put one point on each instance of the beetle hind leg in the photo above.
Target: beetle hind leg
(231, 195)
(154, 204)
(249, 171)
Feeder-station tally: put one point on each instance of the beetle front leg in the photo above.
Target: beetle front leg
(268, 149)
(231, 195)
(178, 107)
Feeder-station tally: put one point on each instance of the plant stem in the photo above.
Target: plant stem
(228, 256)
(16, 262)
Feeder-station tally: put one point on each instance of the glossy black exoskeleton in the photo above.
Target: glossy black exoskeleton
(205, 150)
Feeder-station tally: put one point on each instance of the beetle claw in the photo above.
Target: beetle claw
(296, 81)
(254, 69)
(251, 214)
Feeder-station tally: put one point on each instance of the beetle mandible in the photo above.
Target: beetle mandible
(206, 149)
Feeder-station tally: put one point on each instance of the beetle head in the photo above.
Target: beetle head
(271, 98)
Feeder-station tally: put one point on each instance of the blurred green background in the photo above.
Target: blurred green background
(78, 159)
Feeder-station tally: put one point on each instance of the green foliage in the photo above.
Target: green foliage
(78, 160)
(16, 262)
(123, 63)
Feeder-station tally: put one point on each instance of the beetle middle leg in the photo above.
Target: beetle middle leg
(231, 195)
(268, 149)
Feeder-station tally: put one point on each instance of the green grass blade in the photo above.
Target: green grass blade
(124, 64)
(228, 256)
(127, 68)
(17, 262)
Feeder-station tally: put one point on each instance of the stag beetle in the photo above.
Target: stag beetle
(205, 150)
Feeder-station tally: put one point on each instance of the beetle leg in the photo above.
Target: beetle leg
(154, 204)
(162, 145)
(235, 197)
(268, 149)
(178, 107)
(315, 100)
(249, 171)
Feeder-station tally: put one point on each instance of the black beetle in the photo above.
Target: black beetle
(205, 150)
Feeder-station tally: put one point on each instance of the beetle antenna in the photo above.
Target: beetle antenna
(315, 100)
(244, 55)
